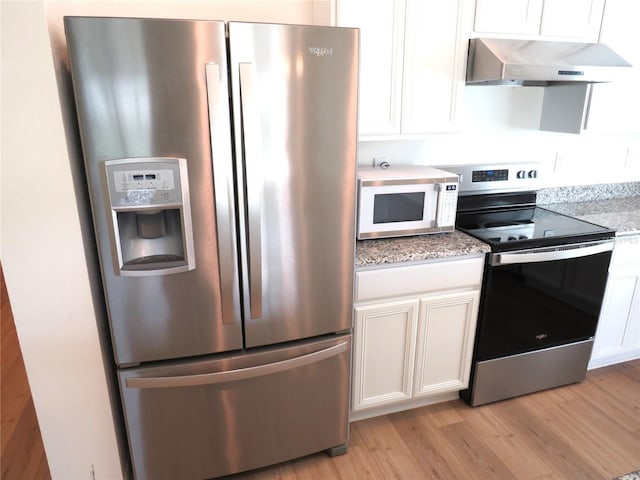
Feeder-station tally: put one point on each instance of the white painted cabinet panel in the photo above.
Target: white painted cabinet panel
(446, 328)
(508, 16)
(412, 63)
(618, 336)
(381, 24)
(434, 66)
(575, 20)
(381, 283)
(384, 345)
(615, 106)
(416, 348)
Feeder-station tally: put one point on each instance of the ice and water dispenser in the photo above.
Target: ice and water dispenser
(151, 214)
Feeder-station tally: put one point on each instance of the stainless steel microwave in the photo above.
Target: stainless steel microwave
(403, 201)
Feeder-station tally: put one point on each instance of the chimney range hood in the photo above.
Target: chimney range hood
(494, 61)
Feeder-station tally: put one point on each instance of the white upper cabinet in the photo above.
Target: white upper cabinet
(519, 17)
(572, 19)
(614, 106)
(577, 20)
(412, 63)
(381, 24)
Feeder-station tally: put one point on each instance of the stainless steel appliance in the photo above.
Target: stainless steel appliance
(542, 289)
(408, 200)
(220, 160)
(503, 61)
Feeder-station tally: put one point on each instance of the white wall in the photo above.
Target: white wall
(500, 124)
(45, 240)
(42, 256)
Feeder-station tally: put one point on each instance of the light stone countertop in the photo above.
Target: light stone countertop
(621, 214)
(386, 251)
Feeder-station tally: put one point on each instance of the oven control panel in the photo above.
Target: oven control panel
(490, 175)
(498, 178)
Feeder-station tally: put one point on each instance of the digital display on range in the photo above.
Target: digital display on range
(490, 175)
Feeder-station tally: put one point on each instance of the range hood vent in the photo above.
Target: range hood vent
(497, 61)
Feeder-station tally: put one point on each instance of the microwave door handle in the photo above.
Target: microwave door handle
(251, 150)
(439, 187)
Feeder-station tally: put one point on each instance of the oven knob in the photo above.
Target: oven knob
(511, 238)
(533, 174)
(521, 174)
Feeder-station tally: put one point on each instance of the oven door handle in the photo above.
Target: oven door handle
(549, 254)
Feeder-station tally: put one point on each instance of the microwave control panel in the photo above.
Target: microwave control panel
(449, 204)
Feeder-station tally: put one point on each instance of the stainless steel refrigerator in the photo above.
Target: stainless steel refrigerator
(220, 160)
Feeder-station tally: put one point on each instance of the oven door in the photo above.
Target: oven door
(541, 298)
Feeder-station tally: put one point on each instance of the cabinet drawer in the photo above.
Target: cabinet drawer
(415, 279)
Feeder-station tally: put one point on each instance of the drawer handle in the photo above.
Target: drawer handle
(240, 374)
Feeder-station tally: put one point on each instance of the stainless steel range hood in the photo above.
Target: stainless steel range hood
(495, 61)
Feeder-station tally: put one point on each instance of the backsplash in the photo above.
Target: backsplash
(586, 193)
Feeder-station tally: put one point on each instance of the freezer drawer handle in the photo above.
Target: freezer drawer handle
(240, 374)
(220, 130)
(252, 144)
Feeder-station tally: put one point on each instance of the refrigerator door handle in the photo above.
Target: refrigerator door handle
(236, 375)
(252, 153)
(220, 131)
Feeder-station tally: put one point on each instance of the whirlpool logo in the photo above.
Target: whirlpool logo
(320, 51)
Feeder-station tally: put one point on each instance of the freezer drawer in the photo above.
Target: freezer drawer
(202, 419)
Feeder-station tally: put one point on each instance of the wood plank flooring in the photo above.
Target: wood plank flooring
(589, 430)
(22, 455)
(585, 431)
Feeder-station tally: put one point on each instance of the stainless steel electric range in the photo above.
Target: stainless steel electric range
(543, 284)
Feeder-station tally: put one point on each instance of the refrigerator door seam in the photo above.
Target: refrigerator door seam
(252, 144)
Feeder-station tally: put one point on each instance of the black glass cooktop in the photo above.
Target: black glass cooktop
(528, 227)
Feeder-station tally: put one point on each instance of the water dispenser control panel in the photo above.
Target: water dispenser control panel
(131, 185)
(151, 214)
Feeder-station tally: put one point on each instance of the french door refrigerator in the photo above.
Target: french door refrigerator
(220, 160)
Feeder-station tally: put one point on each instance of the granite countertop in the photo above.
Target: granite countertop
(621, 214)
(616, 206)
(418, 248)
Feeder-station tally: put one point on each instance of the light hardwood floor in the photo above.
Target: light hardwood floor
(585, 431)
(589, 430)
(22, 455)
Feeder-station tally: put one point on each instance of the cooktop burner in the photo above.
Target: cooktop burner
(527, 227)
(497, 204)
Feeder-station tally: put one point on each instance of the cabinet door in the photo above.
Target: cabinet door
(619, 324)
(446, 332)
(564, 19)
(574, 19)
(614, 107)
(521, 17)
(434, 65)
(381, 24)
(384, 347)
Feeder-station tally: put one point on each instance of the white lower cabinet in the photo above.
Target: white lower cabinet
(618, 336)
(446, 328)
(414, 350)
(384, 347)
